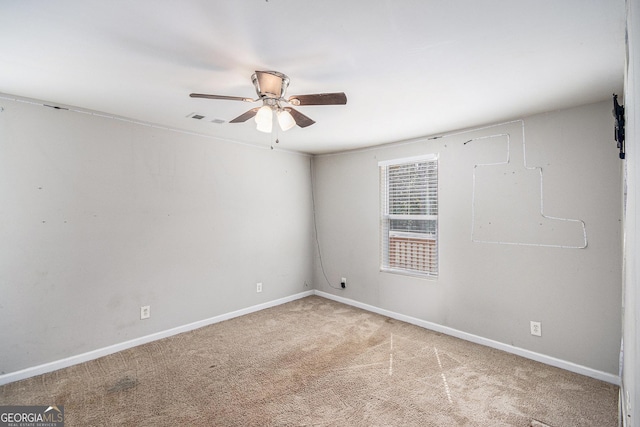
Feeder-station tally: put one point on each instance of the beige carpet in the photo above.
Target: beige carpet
(315, 362)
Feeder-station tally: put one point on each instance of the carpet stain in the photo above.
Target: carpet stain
(123, 384)
(316, 362)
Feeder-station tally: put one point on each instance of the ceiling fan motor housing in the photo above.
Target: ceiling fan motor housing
(270, 84)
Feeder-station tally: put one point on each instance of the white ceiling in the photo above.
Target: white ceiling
(410, 68)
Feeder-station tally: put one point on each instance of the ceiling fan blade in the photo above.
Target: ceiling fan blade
(337, 98)
(228, 98)
(245, 116)
(301, 120)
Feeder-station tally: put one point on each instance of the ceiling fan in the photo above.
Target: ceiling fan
(271, 87)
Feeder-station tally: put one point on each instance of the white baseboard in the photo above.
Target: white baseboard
(94, 354)
(548, 360)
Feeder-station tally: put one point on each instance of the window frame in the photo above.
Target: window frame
(422, 245)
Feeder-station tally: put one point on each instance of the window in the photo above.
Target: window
(409, 215)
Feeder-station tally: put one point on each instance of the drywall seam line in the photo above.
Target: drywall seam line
(473, 191)
(582, 223)
(508, 160)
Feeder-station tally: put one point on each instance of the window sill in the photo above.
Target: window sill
(415, 274)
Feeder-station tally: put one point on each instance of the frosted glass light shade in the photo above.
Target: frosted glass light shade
(285, 120)
(264, 119)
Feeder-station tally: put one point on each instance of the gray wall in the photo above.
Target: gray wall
(493, 290)
(100, 216)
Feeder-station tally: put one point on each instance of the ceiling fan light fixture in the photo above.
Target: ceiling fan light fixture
(285, 120)
(264, 119)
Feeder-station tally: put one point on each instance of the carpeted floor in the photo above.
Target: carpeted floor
(316, 362)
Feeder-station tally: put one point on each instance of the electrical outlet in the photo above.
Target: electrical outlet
(259, 287)
(536, 329)
(343, 282)
(145, 312)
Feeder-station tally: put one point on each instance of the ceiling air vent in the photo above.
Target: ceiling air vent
(204, 118)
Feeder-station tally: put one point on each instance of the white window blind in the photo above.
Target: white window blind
(409, 215)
